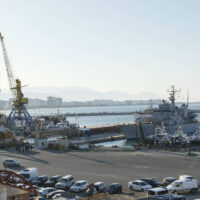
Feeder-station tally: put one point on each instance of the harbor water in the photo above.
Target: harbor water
(97, 120)
(119, 143)
(100, 120)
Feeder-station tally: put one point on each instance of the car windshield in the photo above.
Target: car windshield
(113, 186)
(143, 183)
(26, 175)
(53, 179)
(163, 192)
(63, 180)
(151, 192)
(78, 184)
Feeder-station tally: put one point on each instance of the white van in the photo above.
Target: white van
(184, 186)
(29, 173)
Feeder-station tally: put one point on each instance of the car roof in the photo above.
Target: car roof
(67, 176)
(47, 188)
(169, 177)
(81, 181)
(147, 179)
(114, 184)
(42, 176)
(99, 183)
(158, 189)
(138, 181)
(185, 176)
(55, 176)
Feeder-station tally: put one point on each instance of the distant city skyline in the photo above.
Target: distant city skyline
(87, 94)
(132, 47)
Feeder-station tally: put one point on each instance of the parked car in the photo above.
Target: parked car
(79, 186)
(52, 181)
(178, 197)
(196, 148)
(10, 163)
(163, 194)
(52, 194)
(41, 198)
(37, 187)
(139, 185)
(45, 191)
(168, 180)
(115, 188)
(152, 182)
(29, 173)
(65, 182)
(183, 186)
(155, 192)
(40, 180)
(96, 188)
(100, 186)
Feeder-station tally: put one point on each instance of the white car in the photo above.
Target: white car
(45, 191)
(11, 163)
(65, 182)
(79, 186)
(156, 192)
(139, 185)
(100, 186)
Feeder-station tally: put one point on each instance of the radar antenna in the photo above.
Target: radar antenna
(188, 95)
(172, 96)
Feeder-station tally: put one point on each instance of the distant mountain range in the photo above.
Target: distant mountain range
(78, 94)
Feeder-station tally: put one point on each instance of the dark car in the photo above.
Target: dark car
(170, 197)
(152, 182)
(52, 181)
(196, 148)
(168, 180)
(40, 180)
(115, 188)
(41, 198)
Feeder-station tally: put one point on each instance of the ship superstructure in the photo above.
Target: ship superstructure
(167, 114)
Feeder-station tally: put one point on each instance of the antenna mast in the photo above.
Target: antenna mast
(188, 95)
(172, 96)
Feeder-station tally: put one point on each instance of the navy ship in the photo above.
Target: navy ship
(167, 114)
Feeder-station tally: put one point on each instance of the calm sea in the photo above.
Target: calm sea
(97, 120)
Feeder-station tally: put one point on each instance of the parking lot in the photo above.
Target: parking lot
(109, 166)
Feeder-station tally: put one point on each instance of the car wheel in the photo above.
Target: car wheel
(193, 190)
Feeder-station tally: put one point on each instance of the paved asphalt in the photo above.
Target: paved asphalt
(108, 166)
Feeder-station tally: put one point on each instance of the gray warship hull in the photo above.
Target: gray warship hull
(131, 131)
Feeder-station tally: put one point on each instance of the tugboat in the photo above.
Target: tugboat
(167, 114)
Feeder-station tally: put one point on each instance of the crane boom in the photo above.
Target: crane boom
(11, 78)
(18, 111)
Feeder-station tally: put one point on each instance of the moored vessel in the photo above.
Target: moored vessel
(167, 114)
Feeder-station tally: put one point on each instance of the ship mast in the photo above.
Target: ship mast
(172, 96)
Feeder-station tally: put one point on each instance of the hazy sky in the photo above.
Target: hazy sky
(133, 46)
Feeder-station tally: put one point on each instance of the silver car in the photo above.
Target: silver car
(10, 163)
